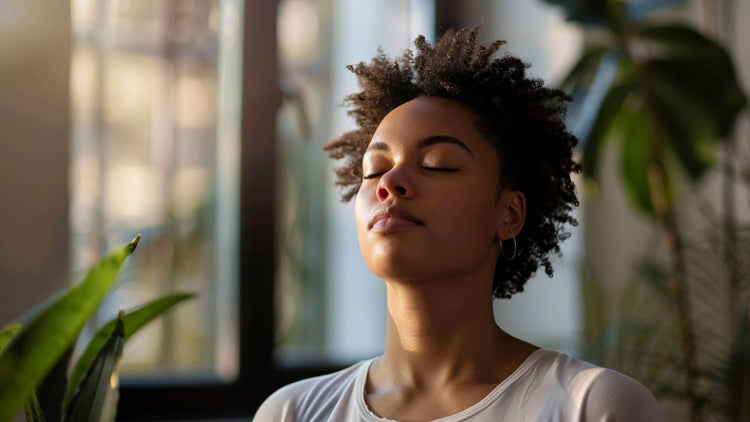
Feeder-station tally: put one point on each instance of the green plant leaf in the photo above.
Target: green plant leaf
(645, 344)
(586, 65)
(698, 93)
(132, 320)
(33, 411)
(606, 115)
(51, 392)
(689, 135)
(32, 353)
(634, 163)
(37, 309)
(583, 11)
(96, 399)
(7, 334)
(642, 9)
(683, 41)
(595, 12)
(707, 83)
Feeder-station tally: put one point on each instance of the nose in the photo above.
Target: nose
(395, 182)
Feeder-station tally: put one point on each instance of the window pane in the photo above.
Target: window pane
(151, 155)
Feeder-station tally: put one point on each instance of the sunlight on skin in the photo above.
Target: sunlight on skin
(429, 219)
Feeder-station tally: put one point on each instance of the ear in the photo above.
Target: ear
(512, 214)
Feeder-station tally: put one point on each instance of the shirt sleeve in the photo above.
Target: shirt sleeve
(614, 397)
(279, 406)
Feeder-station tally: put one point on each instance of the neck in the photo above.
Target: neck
(438, 332)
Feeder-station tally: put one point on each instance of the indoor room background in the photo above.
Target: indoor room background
(199, 125)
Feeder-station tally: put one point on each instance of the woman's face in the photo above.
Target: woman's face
(429, 203)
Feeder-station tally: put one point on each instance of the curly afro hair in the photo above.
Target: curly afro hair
(520, 117)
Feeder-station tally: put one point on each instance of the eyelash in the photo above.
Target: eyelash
(438, 169)
(443, 169)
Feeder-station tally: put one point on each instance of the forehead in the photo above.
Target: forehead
(425, 117)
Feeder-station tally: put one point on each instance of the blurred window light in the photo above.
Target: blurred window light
(298, 31)
(191, 111)
(330, 309)
(151, 154)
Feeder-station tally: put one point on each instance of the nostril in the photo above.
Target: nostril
(382, 193)
(401, 190)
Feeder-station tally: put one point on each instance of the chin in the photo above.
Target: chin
(389, 264)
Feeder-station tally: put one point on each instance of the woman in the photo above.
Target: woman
(460, 170)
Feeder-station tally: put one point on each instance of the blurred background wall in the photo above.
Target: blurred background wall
(35, 39)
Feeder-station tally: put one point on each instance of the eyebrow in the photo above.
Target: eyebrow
(424, 143)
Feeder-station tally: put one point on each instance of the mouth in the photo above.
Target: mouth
(390, 218)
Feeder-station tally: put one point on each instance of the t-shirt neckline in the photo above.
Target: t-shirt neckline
(368, 415)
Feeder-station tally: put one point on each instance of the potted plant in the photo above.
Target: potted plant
(670, 96)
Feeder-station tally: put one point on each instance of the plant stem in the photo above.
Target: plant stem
(665, 214)
(684, 320)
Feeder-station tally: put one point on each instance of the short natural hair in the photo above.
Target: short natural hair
(520, 117)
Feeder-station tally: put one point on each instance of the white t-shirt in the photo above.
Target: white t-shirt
(549, 386)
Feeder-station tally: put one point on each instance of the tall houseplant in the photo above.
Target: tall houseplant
(670, 95)
(36, 351)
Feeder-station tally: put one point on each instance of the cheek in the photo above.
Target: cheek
(468, 221)
(363, 203)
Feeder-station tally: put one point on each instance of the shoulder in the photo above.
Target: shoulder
(617, 397)
(604, 394)
(300, 401)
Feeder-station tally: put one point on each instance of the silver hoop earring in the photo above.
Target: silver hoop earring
(502, 251)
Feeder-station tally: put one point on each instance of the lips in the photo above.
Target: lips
(390, 218)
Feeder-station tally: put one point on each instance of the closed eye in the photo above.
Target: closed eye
(438, 169)
(443, 169)
(372, 175)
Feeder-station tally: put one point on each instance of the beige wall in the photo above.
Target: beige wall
(34, 137)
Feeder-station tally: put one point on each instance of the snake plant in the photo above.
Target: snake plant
(36, 351)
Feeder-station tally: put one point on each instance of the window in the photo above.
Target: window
(154, 150)
(150, 155)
